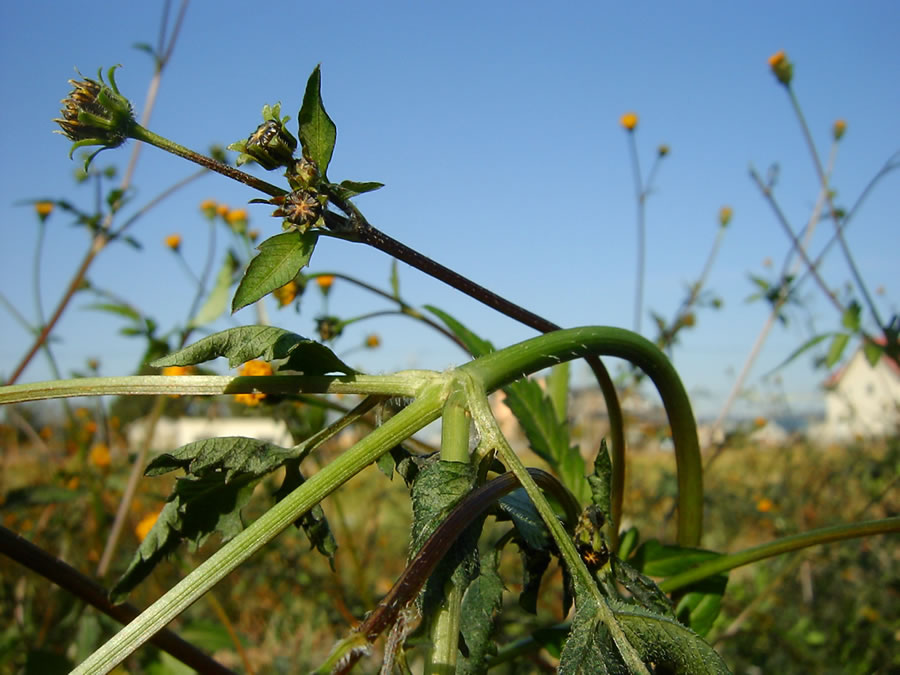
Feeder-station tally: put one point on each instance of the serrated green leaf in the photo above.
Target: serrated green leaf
(476, 346)
(317, 132)
(217, 300)
(481, 602)
(589, 649)
(223, 473)
(836, 349)
(280, 259)
(243, 343)
(600, 481)
(644, 591)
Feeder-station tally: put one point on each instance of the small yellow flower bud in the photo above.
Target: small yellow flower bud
(629, 121)
(325, 282)
(99, 455)
(286, 294)
(373, 341)
(209, 206)
(237, 220)
(781, 67)
(253, 234)
(725, 214)
(840, 127)
(765, 505)
(222, 210)
(173, 241)
(43, 209)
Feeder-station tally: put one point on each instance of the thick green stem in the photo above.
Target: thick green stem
(502, 367)
(779, 547)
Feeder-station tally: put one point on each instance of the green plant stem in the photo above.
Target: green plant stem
(500, 368)
(787, 544)
(455, 429)
(641, 198)
(422, 411)
(441, 659)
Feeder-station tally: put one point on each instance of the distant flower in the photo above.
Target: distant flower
(286, 294)
(663, 150)
(765, 505)
(237, 219)
(99, 455)
(253, 368)
(43, 209)
(725, 214)
(209, 206)
(760, 422)
(222, 210)
(840, 127)
(781, 67)
(688, 320)
(629, 121)
(373, 340)
(142, 529)
(325, 282)
(171, 371)
(173, 241)
(253, 234)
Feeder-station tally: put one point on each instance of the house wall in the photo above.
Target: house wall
(865, 401)
(173, 433)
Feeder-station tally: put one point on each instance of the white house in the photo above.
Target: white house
(173, 433)
(861, 400)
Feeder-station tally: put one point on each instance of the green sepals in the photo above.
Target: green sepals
(317, 132)
(243, 343)
(271, 145)
(95, 113)
(280, 259)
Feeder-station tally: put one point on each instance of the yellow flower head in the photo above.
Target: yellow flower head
(177, 370)
(222, 210)
(142, 529)
(725, 214)
(286, 294)
(629, 121)
(253, 234)
(252, 368)
(765, 505)
(43, 209)
(99, 455)
(373, 340)
(209, 207)
(325, 282)
(760, 422)
(237, 220)
(781, 67)
(173, 241)
(840, 127)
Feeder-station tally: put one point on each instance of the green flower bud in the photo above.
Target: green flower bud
(301, 209)
(95, 113)
(271, 145)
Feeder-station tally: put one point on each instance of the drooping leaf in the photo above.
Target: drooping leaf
(660, 560)
(437, 488)
(217, 300)
(222, 473)
(600, 481)
(243, 343)
(476, 346)
(521, 510)
(642, 589)
(534, 563)
(836, 349)
(313, 522)
(481, 602)
(280, 259)
(317, 133)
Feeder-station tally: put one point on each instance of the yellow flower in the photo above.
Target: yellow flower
(253, 234)
(725, 214)
(222, 210)
(209, 206)
(237, 220)
(765, 505)
(177, 370)
(43, 209)
(629, 121)
(781, 67)
(373, 341)
(760, 422)
(840, 126)
(286, 294)
(252, 368)
(99, 455)
(173, 241)
(325, 282)
(142, 529)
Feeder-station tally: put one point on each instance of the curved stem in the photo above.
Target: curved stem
(499, 368)
(787, 544)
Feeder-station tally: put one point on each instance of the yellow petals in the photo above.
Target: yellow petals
(142, 529)
(253, 368)
(173, 241)
(286, 294)
(629, 121)
(725, 214)
(99, 455)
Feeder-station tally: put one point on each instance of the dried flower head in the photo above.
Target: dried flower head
(629, 121)
(301, 209)
(95, 113)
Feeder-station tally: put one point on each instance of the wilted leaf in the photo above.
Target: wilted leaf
(280, 259)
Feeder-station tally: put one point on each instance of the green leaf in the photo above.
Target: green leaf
(476, 346)
(700, 606)
(481, 603)
(599, 482)
(280, 259)
(850, 319)
(558, 389)
(33, 495)
(243, 343)
(222, 475)
(351, 188)
(589, 648)
(873, 352)
(313, 522)
(809, 344)
(534, 563)
(642, 589)
(521, 510)
(115, 308)
(317, 132)
(836, 349)
(217, 300)
(659, 560)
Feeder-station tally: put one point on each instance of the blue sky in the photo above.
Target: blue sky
(495, 129)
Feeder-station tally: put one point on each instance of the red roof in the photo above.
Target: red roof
(836, 376)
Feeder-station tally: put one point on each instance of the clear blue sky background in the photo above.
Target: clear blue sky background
(495, 127)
